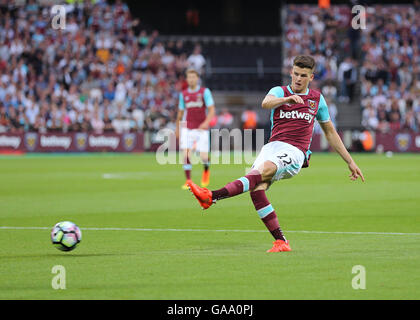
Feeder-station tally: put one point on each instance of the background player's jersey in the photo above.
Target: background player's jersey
(195, 104)
(294, 123)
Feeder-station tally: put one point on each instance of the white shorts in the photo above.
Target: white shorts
(195, 139)
(287, 158)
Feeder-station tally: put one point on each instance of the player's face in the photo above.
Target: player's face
(301, 78)
(192, 79)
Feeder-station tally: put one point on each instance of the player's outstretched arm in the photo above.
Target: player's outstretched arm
(271, 102)
(335, 141)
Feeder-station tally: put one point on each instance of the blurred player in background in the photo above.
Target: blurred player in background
(196, 106)
(294, 109)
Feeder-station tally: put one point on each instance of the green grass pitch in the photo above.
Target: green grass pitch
(154, 253)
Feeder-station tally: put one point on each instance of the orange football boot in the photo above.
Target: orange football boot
(280, 246)
(203, 195)
(205, 178)
(185, 185)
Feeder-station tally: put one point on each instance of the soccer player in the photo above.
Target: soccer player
(197, 104)
(294, 109)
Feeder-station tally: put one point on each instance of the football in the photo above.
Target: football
(66, 235)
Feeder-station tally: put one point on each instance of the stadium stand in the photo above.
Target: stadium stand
(390, 71)
(103, 72)
(107, 71)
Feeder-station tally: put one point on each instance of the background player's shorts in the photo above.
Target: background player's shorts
(195, 139)
(287, 158)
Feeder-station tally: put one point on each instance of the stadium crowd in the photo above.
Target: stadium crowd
(313, 31)
(387, 71)
(104, 72)
(390, 73)
(107, 71)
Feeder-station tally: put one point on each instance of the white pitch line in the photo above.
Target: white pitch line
(215, 230)
(126, 175)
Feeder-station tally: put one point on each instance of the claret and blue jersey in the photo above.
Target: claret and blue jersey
(294, 123)
(195, 103)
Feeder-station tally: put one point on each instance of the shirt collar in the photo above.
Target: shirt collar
(300, 94)
(192, 91)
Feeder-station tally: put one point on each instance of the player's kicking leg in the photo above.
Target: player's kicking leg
(276, 161)
(258, 182)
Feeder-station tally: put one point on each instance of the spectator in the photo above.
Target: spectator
(347, 78)
(107, 122)
(4, 119)
(225, 119)
(249, 119)
(97, 123)
(369, 119)
(196, 60)
(410, 122)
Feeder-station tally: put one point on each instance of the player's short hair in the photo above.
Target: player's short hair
(304, 62)
(192, 70)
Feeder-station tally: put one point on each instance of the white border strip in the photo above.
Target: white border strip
(212, 230)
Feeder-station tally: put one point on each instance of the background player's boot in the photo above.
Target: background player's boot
(205, 178)
(185, 185)
(203, 195)
(280, 246)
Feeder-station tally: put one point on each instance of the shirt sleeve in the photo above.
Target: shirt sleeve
(181, 103)
(322, 115)
(277, 92)
(208, 98)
